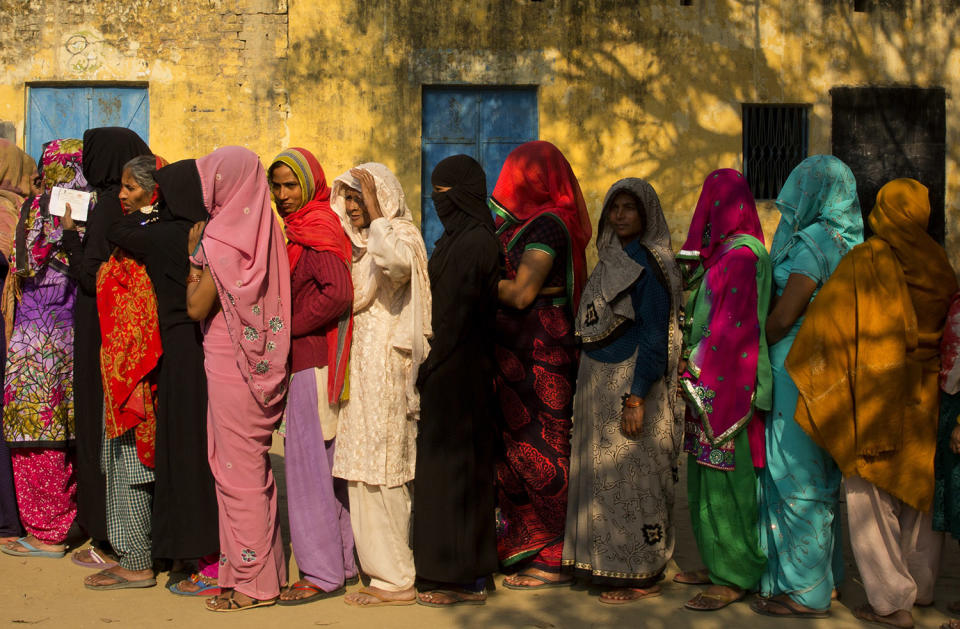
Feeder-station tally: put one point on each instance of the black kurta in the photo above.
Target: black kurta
(454, 537)
(105, 151)
(184, 502)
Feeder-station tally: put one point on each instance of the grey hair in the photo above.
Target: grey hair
(142, 168)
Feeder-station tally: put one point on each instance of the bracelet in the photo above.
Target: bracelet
(193, 278)
(627, 404)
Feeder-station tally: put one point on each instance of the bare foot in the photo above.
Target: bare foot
(104, 577)
(628, 595)
(373, 597)
(19, 548)
(901, 618)
(534, 577)
(693, 577)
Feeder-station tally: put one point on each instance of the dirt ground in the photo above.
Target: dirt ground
(49, 593)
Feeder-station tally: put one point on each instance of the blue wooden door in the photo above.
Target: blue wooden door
(66, 112)
(484, 123)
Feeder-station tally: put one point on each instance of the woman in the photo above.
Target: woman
(800, 485)
(946, 496)
(239, 285)
(38, 391)
(726, 381)
(376, 437)
(184, 520)
(18, 180)
(105, 151)
(865, 363)
(543, 228)
(454, 537)
(623, 463)
(319, 253)
(129, 356)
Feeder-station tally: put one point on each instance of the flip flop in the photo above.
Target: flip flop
(457, 598)
(381, 602)
(318, 594)
(693, 577)
(763, 607)
(545, 583)
(865, 613)
(33, 551)
(641, 593)
(234, 606)
(721, 602)
(99, 562)
(121, 583)
(206, 589)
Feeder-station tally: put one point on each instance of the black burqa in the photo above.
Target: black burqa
(454, 537)
(184, 500)
(105, 151)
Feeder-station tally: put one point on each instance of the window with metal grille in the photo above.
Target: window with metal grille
(774, 142)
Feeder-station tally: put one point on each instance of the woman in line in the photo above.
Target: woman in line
(543, 228)
(184, 520)
(865, 363)
(239, 285)
(18, 181)
(454, 536)
(129, 356)
(946, 495)
(38, 391)
(376, 437)
(623, 463)
(319, 253)
(105, 151)
(800, 485)
(727, 383)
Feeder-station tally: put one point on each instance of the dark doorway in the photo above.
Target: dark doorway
(885, 133)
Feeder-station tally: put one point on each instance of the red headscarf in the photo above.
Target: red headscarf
(535, 180)
(316, 226)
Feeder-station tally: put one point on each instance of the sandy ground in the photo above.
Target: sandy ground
(50, 593)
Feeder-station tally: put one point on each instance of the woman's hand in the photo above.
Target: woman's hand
(368, 188)
(194, 238)
(67, 220)
(955, 440)
(631, 421)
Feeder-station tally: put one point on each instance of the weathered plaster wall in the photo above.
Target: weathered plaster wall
(215, 67)
(650, 89)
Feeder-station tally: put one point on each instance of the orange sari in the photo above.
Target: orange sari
(866, 359)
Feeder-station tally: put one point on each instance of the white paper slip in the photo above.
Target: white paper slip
(78, 199)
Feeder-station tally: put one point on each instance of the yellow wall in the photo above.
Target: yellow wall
(649, 89)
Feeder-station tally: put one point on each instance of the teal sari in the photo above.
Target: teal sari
(800, 486)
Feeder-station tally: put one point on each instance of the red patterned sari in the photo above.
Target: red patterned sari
(130, 351)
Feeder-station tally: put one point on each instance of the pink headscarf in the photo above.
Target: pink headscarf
(244, 248)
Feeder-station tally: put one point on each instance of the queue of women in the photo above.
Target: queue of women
(153, 350)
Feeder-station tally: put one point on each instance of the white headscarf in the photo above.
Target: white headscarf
(412, 331)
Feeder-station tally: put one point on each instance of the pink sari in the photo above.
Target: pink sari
(246, 345)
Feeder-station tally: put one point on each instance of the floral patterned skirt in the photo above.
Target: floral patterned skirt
(536, 375)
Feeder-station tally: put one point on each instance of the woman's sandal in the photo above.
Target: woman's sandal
(100, 560)
(317, 594)
(630, 595)
(779, 609)
(454, 597)
(544, 584)
(379, 601)
(705, 602)
(204, 583)
(213, 604)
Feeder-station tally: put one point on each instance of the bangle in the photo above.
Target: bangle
(627, 403)
(193, 278)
